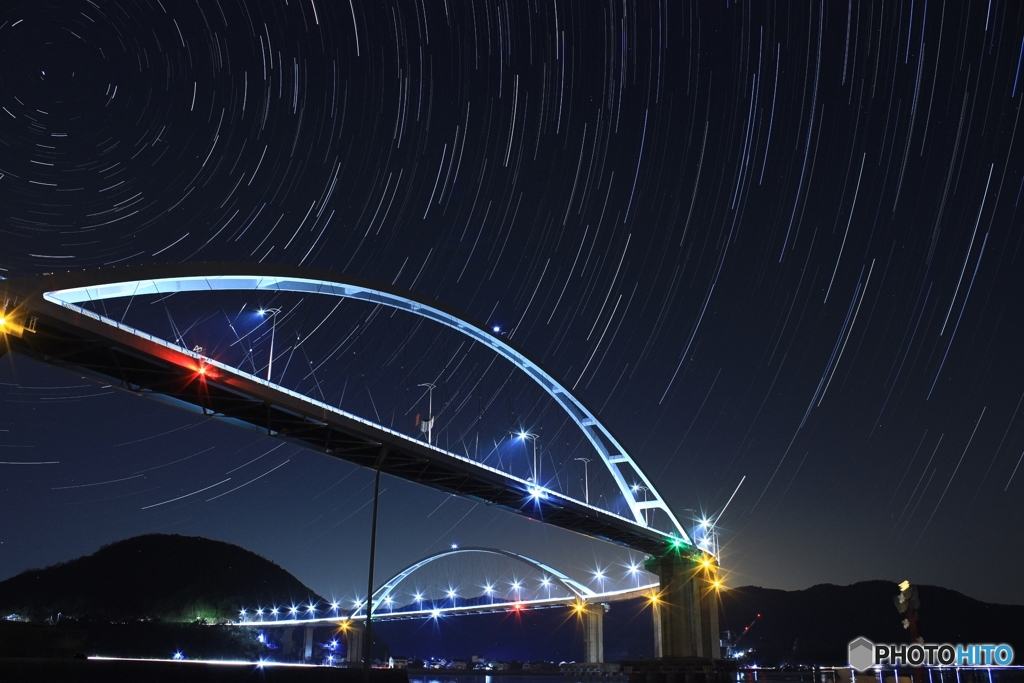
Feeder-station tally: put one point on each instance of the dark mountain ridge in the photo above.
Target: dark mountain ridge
(157, 576)
(817, 623)
(174, 578)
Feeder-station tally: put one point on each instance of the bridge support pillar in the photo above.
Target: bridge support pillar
(686, 610)
(353, 643)
(593, 633)
(286, 641)
(307, 644)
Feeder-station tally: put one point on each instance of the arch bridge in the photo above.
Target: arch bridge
(48, 318)
(547, 588)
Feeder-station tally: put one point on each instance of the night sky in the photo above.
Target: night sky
(778, 241)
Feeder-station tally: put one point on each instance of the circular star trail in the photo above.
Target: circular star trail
(771, 241)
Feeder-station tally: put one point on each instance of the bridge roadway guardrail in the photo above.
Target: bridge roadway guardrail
(644, 591)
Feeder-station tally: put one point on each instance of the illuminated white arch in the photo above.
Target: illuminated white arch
(613, 455)
(385, 591)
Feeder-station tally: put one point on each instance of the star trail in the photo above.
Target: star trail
(777, 241)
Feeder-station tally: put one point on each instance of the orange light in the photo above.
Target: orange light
(202, 369)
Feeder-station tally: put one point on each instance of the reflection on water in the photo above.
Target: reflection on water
(1010, 674)
(963, 675)
(441, 677)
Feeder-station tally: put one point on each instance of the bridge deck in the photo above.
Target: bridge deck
(117, 355)
(484, 608)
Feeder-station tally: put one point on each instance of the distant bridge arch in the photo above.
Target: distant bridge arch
(381, 595)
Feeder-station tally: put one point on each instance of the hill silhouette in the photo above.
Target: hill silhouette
(816, 624)
(171, 578)
(160, 577)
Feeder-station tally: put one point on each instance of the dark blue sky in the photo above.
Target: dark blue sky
(778, 241)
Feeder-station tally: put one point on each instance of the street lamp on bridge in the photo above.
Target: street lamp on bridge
(523, 436)
(634, 569)
(430, 408)
(586, 480)
(639, 487)
(274, 312)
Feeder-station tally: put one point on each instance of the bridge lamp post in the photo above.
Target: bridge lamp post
(274, 312)
(430, 408)
(546, 582)
(599, 575)
(516, 588)
(452, 595)
(523, 436)
(274, 613)
(586, 480)
(489, 591)
(634, 569)
(638, 487)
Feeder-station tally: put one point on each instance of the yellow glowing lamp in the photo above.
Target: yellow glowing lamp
(12, 326)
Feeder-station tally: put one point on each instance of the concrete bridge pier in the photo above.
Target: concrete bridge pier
(686, 609)
(353, 642)
(307, 643)
(593, 632)
(286, 642)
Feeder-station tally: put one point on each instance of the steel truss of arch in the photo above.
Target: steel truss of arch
(386, 590)
(45, 319)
